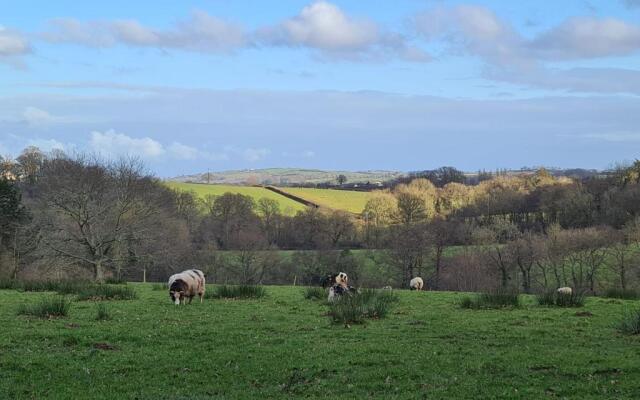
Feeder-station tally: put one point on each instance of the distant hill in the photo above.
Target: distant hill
(286, 176)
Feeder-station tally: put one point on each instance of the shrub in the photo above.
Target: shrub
(236, 292)
(315, 293)
(106, 292)
(103, 313)
(500, 298)
(630, 323)
(355, 308)
(50, 307)
(159, 286)
(553, 298)
(115, 281)
(626, 294)
(39, 286)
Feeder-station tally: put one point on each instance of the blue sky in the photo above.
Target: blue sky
(404, 85)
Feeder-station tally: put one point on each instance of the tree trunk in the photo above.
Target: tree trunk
(98, 272)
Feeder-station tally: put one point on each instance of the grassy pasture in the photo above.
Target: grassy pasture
(287, 206)
(284, 346)
(347, 200)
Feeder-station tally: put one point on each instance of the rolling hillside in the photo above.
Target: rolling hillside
(286, 176)
(346, 200)
(287, 206)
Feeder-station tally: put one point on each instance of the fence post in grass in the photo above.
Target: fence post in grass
(295, 278)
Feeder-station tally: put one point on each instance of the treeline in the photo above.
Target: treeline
(80, 217)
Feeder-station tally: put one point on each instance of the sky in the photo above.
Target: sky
(407, 85)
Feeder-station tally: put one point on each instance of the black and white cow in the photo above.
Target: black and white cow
(186, 284)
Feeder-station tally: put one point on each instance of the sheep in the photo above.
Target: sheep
(416, 283)
(565, 290)
(340, 287)
(334, 279)
(186, 284)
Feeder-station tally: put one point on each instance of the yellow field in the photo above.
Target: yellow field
(346, 200)
(287, 206)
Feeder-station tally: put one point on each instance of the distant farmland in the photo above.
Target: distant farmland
(287, 206)
(346, 200)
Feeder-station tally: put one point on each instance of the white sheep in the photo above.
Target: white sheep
(565, 290)
(416, 283)
(186, 285)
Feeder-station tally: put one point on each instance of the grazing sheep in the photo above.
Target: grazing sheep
(416, 283)
(334, 279)
(340, 287)
(185, 285)
(565, 290)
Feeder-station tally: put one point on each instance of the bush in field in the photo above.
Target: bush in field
(553, 298)
(50, 307)
(626, 294)
(103, 313)
(236, 292)
(156, 287)
(106, 292)
(500, 298)
(356, 307)
(8, 284)
(630, 323)
(315, 293)
(39, 286)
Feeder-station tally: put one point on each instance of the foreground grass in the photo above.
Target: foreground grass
(283, 346)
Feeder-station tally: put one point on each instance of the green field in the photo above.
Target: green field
(283, 346)
(347, 200)
(287, 206)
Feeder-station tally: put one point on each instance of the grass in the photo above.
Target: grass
(48, 307)
(282, 347)
(357, 307)
(630, 323)
(626, 294)
(102, 313)
(287, 206)
(236, 292)
(159, 286)
(315, 293)
(493, 299)
(106, 292)
(347, 200)
(553, 298)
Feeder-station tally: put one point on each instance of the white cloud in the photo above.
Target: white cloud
(34, 116)
(511, 57)
(588, 37)
(49, 144)
(325, 27)
(254, 155)
(112, 143)
(200, 32)
(13, 46)
(184, 152)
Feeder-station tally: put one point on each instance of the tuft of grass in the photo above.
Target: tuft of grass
(107, 292)
(50, 307)
(630, 323)
(8, 284)
(156, 287)
(625, 294)
(236, 292)
(315, 293)
(500, 298)
(115, 281)
(355, 308)
(553, 298)
(102, 313)
(39, 286)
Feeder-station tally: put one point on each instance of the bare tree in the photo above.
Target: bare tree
(86, 209)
